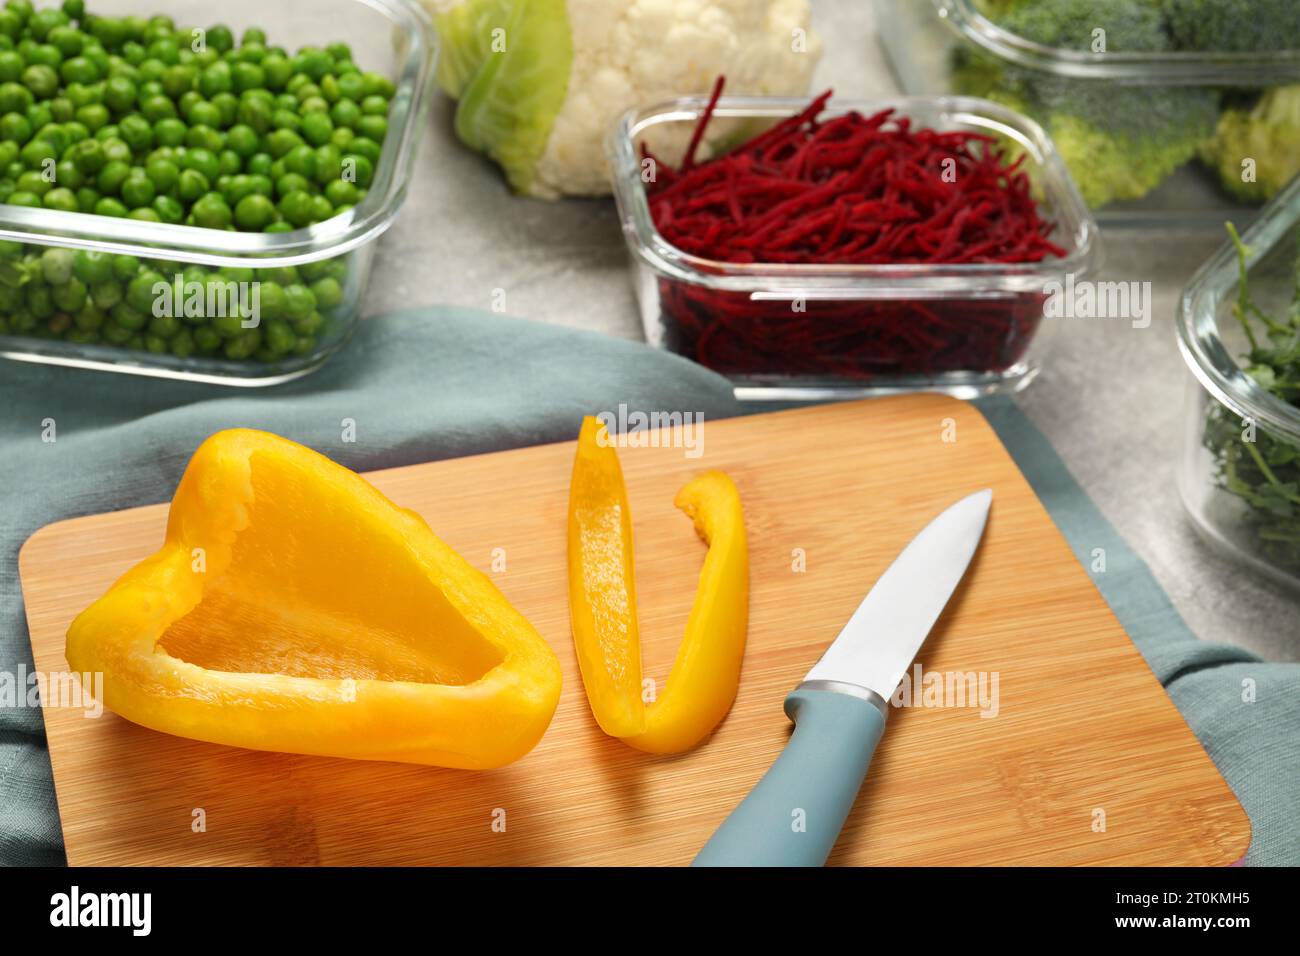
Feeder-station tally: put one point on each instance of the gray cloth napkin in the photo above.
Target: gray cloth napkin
(438, 383)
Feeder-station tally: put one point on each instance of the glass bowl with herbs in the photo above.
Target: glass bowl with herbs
(191, 199)
(1239, 332)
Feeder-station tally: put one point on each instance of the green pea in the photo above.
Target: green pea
(92, 267)
(15, 127)
(286, 119)
(301, 160)
(79, 69)
(254, 212)
(204, 113)
(202, 160)
(281, 141)
(136, 133)
(67, 174)
(277, 69)
(227, 105)
(328, 293)
(299, 301)
(362, 170)
(164, 325)
(242, 140)
(93, 116)
(341, 137)
(155, 108)
(373, 127)
(309, 324)
(117, 150)
(11, 66)
(168, 209)
(76, 131)
(61, 198)
(247, 76)
(33, 181)
(321, 208)
(351, 87)
(17, 198)
(296, 207)
(192, 184)
(252, 52)
(227, 326)
(89, 157)
(140, 294)
(71, 296)
(254, 112)
(220, 38)
(120, 94)
(216, 79)
(56, 265)
(169, 131)
(293, 182)
(206, 340)
(163, 173)
(137, 189)
(86, 199)
(316, 128)
(41, 81)
(38, 114)
(106, 294)
(108, 206)
(68, 40)
(36, 152)
(346, 112)
(111, 177)
(314, 62)
(212, 212)
(259, 164)
(62, 109)
(90, 317)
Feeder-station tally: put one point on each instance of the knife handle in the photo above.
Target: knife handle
(794, 815)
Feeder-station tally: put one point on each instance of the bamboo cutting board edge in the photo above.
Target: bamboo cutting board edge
(1206, 794)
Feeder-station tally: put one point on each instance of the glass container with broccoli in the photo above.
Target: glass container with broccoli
(139, 127)
(1164, 107)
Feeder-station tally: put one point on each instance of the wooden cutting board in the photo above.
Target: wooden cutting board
(1086, 761)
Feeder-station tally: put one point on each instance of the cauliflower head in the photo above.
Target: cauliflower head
(540, 82)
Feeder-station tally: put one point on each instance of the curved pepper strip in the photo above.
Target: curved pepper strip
(602, 605)
(294, 608)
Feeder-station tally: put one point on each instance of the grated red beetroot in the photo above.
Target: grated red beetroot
(851, 189)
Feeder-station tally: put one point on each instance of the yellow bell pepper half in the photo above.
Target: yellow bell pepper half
(602, 605)
(295, 608)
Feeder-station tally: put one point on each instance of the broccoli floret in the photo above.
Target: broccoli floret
(1119, 142)
(1132, 26)
(993, 9)
(1232, 25)
(1268, 134)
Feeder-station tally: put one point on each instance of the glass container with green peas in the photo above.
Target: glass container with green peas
(137, 132)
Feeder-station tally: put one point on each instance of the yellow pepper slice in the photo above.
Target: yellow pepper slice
(602, 605)
(294, 608)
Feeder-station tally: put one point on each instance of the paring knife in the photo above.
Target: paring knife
(794, 814)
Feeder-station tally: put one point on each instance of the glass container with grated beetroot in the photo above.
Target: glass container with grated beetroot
(849, 248)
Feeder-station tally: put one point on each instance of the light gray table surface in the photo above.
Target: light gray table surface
(1110, 398)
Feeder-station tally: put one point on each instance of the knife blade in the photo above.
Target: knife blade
(794, 814)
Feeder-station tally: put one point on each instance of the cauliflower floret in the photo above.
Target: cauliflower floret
(629, 53)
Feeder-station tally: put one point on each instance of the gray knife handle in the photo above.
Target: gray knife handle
(794, 815)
